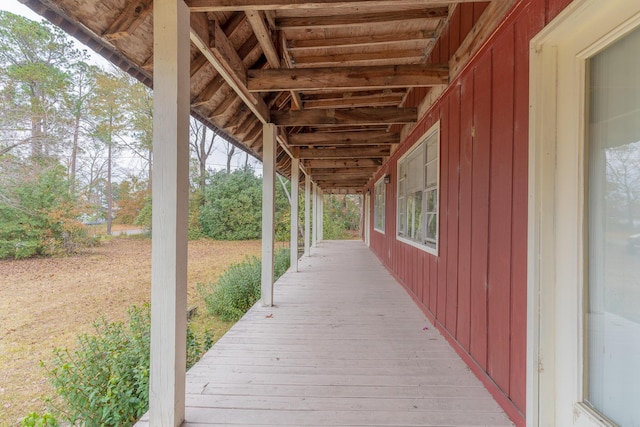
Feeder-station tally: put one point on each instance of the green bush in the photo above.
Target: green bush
(238, 287)
(36, 420)
(105, 380)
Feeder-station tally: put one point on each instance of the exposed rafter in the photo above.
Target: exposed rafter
(342, 163)
(349, 78)
(349, 116)
(362, 19)
(344, 138)
(362, 41)
(344, 152)
(229, 5)
(129, 19)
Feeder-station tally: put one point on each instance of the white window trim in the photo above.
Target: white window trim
(555, 337)
(435, 129)
(375, 206)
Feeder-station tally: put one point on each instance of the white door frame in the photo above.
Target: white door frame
(555, 343)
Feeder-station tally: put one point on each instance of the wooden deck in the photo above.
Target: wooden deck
(344, 346)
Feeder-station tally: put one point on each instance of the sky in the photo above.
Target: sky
(218, 160)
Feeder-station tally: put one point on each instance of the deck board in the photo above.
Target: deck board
(344, 346)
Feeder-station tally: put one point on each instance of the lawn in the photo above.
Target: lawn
(46, 302)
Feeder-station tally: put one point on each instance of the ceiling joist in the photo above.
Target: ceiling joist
(129, 19)
(350, 78)
(362, 19)
(362, 41)
(344, 138)
(344, 152)
(341, 163)
(348, 116)
(231, 5)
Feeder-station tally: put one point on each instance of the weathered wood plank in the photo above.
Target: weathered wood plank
(233, 5)
(344, 152)
(361, 41)
(347, 116)
(352, 78)
(344, 138)
(345, 346)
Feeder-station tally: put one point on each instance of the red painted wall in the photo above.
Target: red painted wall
(475, 289)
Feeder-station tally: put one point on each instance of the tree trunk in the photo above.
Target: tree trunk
(74, 152)
(109, 186)
(202, 159)
(230, 153)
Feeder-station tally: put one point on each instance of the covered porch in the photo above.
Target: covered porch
(343, 345)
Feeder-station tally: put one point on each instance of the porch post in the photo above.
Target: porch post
(314, 228)
(268, 210)
(320, 215)
(295, 177)
(170, 212)
(307, 215)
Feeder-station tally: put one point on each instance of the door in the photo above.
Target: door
(584, 272)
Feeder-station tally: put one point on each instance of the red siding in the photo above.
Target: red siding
(475, 289)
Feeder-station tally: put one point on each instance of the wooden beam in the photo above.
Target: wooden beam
(361, 41)
(344, 138)
(344, 152)
(342, 163)
(198, 62)
(229, 65)
(379, 100)
(361, 19)
(409, 56)
(129, 20)
(208, 92)
(334, 178)
(342, 171)
(263, 34)
(352, 78)
(487, 23)
(232, 5)
(349, 116)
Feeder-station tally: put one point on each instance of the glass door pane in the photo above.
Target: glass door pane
(612, 368)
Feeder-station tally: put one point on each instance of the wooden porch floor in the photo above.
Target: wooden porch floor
(344, 346)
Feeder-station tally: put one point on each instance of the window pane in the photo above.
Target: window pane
(432, 150)
(613, 317)
(432, 227)
(432, 201)
(432, 174)
(414, 214)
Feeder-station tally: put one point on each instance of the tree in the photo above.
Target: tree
(34, 59)
(202, 148)
(109, 124)
(232, 208)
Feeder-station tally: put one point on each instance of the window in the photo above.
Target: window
(418, 181)
(612, 329)
(379, 205)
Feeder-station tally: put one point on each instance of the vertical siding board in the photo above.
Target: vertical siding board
(479, 208)
(499, 270)
(478, 10)
(463, 331)
(454, 31)
(453, 212)
(424, 286)
(466, 19)
(443, 243)
(433, 283)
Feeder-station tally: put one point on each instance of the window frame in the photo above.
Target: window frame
(383, 193)
(427, 244)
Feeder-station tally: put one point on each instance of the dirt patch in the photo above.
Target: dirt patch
(45, 303)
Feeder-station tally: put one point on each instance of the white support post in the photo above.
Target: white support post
(295, 178)
(170, 213)
(307, 215)
(320, 215)
(314, 216)
(268, 210)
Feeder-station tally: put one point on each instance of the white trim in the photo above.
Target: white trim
(170, 214)
(555, 339)
(435, 129)
(375, 205)
(269, 148)
(295, 184)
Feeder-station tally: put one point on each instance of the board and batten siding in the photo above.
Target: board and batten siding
(475, 289)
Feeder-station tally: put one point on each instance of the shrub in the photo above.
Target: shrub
(238, 287)
(36, 420)
(105, 380)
